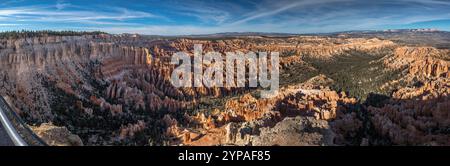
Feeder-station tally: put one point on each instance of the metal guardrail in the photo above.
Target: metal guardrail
(13, 134)
(19, 133)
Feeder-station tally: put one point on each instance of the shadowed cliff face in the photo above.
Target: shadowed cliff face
(115, 90)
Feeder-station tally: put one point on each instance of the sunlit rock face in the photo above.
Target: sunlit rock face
(56, 136)
(116, 90)
(74, 80)
(67, 62)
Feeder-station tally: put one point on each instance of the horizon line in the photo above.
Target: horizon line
(236, 32)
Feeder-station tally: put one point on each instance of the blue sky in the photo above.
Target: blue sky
(173, 17)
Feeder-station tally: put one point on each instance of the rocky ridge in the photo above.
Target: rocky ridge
(109, 89)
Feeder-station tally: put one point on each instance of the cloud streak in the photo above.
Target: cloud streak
(176, 17)
(57, 14)
(270, 11)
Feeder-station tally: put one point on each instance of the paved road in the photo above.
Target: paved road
(4, 137)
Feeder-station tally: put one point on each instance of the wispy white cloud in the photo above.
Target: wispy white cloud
(59, 14)
(207, 13)
(60, 4)
(270, 11)
(9, 25)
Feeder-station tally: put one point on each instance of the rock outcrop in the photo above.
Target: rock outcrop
(115, 89)
(415, 116)
(57, 136)
(419, 61)
(296, 131)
